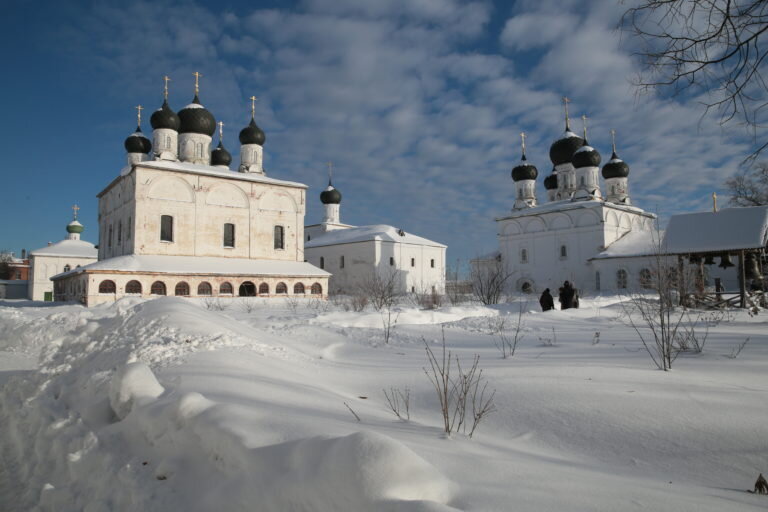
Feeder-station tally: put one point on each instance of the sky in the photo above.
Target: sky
(418, 103)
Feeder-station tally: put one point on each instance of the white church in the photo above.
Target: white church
(356, 254)
(577, 234)
(178, 221)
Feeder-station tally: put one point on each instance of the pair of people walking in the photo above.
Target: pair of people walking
(568, 298)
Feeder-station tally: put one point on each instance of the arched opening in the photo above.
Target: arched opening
(645, 278)
(247, 289)
(107, 286)
(133, 287)
(526, 287)
(263, 289)
(298, 289)
(621, 279)
(157, 288)
(182, 289)
(204, 289)
(281, 288)
(67, 268)
(225, 289)
(316, 289)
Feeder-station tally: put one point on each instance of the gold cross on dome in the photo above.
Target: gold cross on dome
(522, 136)
(565, 102)
(197, 81)
(221, 130)
(166, 79)
(714, 202)
(613, 140)
(75, 209)
(584, 121)
(330, 170)
(138, 108)
(253, 106)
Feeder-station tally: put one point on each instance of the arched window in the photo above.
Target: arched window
(597, 281)
(645, 278)
(107, 286)
(133, 287)
(247, 289)
(263, 289)
(225, 289)
(524, 256)
(322, 262)
(157, 288)
(281, 288)
(621, 279)
(166, 228)
(526, 287)
(120, 233)
(67, 268)
(199, 150)
(128, 229)
(229, 235)
(563, 252)
(182, 289)
(316, 289)
(298, 289)
(167, 142)
(279, 237)
(204, 289)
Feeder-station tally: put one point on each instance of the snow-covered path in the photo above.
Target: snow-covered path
(251, 412)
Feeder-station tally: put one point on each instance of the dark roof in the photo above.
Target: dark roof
(330, 195)
(220, 156)
(252, 134)
(164, 117)
(196, 119)
(615, 168)
(550, 182)
(561, 151)
(137, 142)
(586, 156)
(524, 170)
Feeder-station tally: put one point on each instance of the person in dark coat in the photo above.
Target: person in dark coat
(566, 296)
(547, 301)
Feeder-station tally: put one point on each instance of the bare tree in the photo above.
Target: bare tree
(507, 333)
(399, 402)
(489, 279)
(750, 186)
(381, 288)
(706, 46)
(5, 269)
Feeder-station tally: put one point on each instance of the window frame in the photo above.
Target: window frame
(166, 232)
(231, 236)
(279, 242)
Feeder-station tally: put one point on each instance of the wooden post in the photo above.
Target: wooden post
(681, 281)
(742, 284)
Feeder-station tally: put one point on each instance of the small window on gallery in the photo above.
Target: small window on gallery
(391, 261)
(413, 262)
(279, 237)
(229, 235)
(166, 228)
(341, 262)
(524, 256)
(432, 263)
(563, 251)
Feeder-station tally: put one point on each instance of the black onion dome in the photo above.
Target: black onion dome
(196, 119)
(252, 134)
(524, 170)
(561, 151)
(586, 156)
(330, 195)
(550, 182)
(615, 168)
(220, 156)
(137, 142)
(164, 117)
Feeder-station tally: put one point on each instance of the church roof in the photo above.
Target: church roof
(632, 244)
(381, 232)
(567, 204)
(203, 265)
(726, 230)
(68, 248)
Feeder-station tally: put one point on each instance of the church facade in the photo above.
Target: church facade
(357, 254)
(178, 221)
(541, 245)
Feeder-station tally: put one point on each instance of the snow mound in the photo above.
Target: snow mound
(403, 316)
(132, 383)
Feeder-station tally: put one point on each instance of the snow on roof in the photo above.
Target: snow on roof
(200, 265)
(206, 170)
(381, 232)
(727, 229)
(68, 248)
(633, 243)
(567, 204)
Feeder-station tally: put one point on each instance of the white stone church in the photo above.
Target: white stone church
(178, 221)
(577, 233)
(357, 254)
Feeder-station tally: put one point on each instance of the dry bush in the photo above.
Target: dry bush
(399, 402)
(380, 289)
(215, 304)
(489, 280)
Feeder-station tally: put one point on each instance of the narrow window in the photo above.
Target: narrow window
(621, 279)
(307, 238)
(391, 261)
(167, 142)
(563, 251)
(341, 262)
(119, 232)
(229, 235)
(110, 235)
(166, 228)
(413, 262)
(279, 237)
(524, 256)
(432, 263)
(128, 229)
(582, 181)
(199, 151)
(597, 281)
(322, 262)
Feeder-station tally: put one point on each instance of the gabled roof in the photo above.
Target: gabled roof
(381, 232)
(633, 244)
(729, 229)
(68, 248)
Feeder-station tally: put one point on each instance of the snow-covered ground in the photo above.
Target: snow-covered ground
(166, 405)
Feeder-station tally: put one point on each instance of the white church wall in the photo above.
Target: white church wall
(43, 267)
(359, 263)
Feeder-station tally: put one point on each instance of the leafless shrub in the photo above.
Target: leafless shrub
(247, 304)
(318, 305)
(399, 402)
(380, 288)
(489, 279)
(427, 298)
(549, 342)
(507, 333)
(459, 393)
(388, 322)
(358, 303)
(737, 349)
(458, 290)
(292, 301)
(215, 304)
(352, 411)
(694, 330)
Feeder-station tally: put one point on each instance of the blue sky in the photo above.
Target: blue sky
(419, 104)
